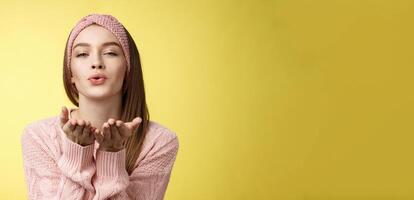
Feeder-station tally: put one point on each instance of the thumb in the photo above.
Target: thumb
(134, 123)
(64, 116)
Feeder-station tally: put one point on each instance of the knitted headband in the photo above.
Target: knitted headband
(107, 21)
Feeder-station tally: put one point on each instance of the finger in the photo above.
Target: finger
(92, 131)
(64, 117)
(111, 121)
(98, 136)
(79, 127)
(72, 124)
(106, 132)
(69, 126)
(134, 124)
(87, 130)
(124, 131)
(115, 132)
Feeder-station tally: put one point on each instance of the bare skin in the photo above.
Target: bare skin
(78, 131)
(99, 105)
(111, 138)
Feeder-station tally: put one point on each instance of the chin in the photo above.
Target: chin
(97, 97)
(100, 94)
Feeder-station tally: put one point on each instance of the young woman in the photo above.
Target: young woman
(106, 148)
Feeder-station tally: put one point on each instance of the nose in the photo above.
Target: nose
(97, 62)
(97, 66)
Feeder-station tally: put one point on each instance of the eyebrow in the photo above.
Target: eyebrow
(104, 44)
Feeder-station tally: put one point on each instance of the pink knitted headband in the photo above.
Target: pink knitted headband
(107, 21)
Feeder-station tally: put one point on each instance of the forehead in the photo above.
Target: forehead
(95, 35)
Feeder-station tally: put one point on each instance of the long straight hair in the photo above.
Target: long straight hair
(133, 101)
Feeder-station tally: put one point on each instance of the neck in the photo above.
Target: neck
(98, 111)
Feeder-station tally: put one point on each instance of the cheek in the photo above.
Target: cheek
(79, 64)
(119, 77)
(118, 69)
(78, 73)
(75, 72)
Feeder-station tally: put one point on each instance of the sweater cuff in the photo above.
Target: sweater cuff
(111, 164)
(75, 157)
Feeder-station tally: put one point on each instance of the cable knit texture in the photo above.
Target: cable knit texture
(107, 21)
(57, 168)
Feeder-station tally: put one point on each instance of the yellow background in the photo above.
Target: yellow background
(270, 99)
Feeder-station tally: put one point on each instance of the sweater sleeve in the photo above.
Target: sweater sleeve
(147, 182)
(77, 162)
(45, 179)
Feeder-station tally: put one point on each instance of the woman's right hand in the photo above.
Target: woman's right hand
(77, 131)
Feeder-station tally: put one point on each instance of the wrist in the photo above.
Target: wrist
(111, 149)
(80, 142)
(110, 165)
(84, 144)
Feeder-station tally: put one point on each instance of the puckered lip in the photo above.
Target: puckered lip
(97, 76)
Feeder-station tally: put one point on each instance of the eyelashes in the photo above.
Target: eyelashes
(80, 55)
(85, 54)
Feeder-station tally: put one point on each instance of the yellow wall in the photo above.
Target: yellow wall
(270, 99)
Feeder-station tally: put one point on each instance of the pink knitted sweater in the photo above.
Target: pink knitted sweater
(57, 168)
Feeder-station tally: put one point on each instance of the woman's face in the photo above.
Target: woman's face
(97, 51)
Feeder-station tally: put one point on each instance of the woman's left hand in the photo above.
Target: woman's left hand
(114, 134)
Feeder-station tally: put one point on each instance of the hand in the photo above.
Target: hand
(114, 134)
(78, 131)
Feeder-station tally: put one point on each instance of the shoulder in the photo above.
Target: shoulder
(159, 142)
(158, 133)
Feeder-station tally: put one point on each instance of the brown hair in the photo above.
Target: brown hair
(133, 101)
